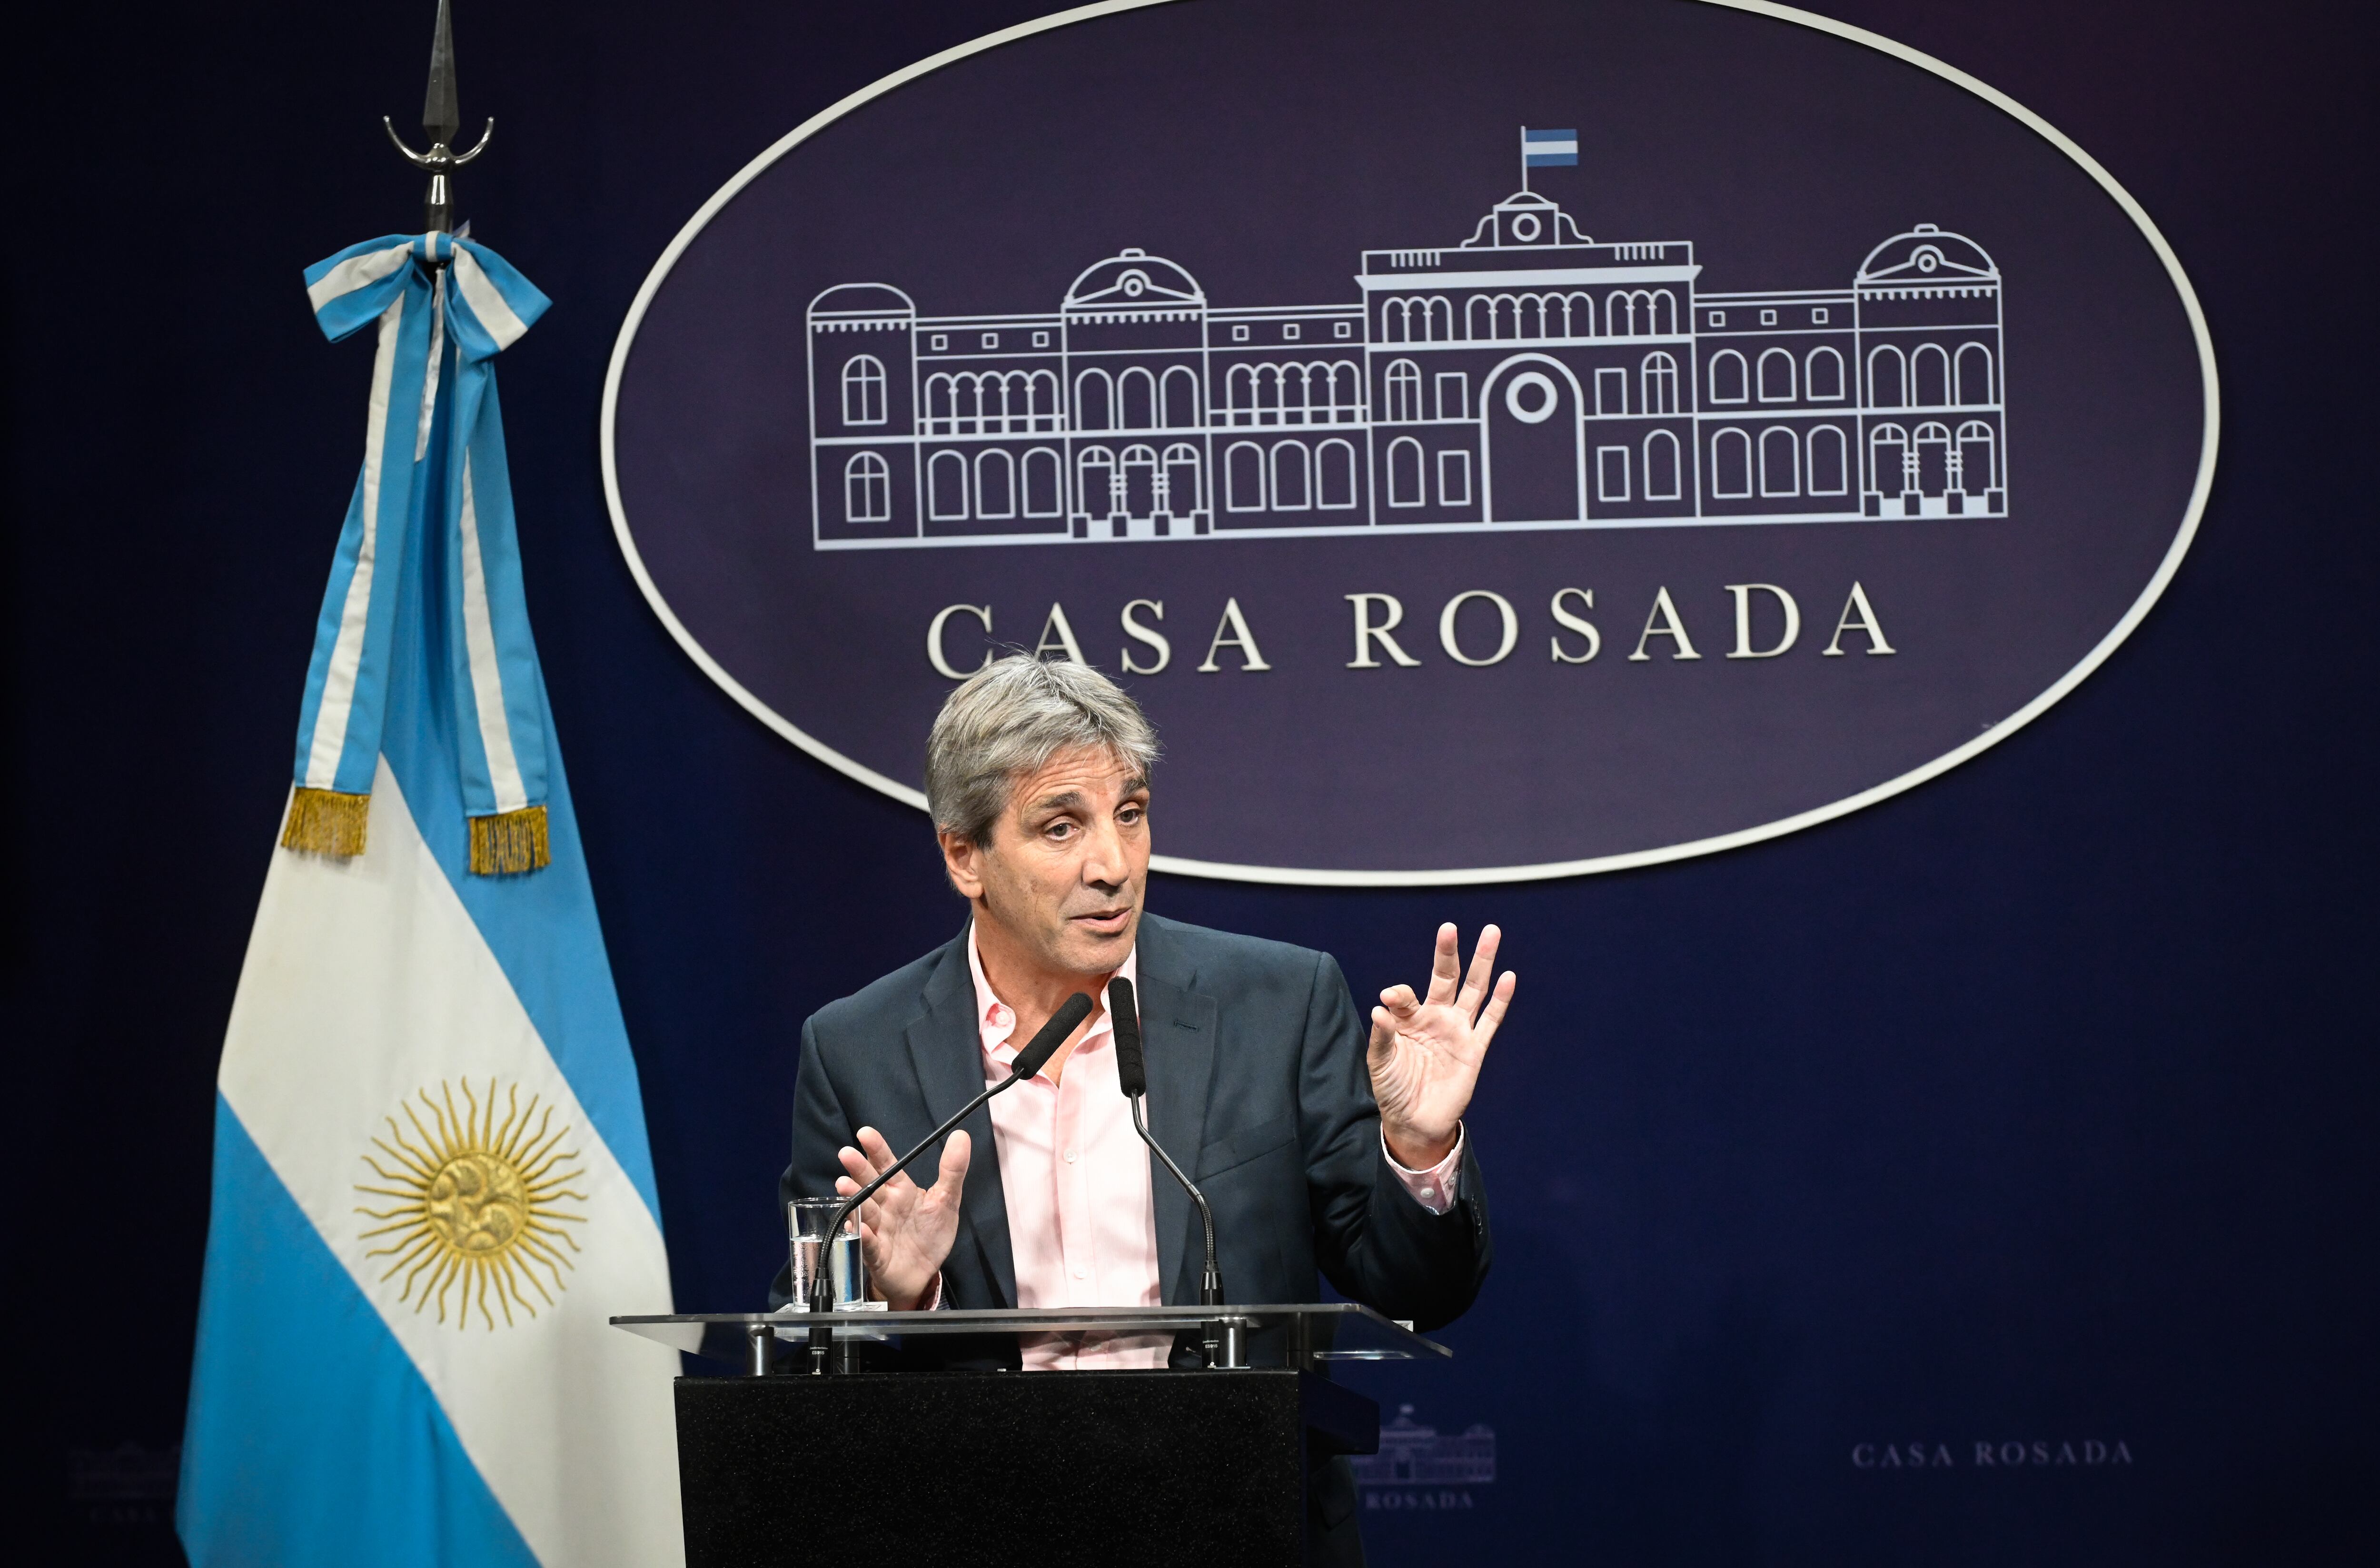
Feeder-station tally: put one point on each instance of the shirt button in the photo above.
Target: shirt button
(1082, 1273)
(1070, 1157)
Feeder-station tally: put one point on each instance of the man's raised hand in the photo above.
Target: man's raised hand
(905, 1230)
(1426, 1051)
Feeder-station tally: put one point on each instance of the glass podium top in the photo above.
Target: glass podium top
(1336, 1331)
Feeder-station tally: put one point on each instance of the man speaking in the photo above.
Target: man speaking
(1318, 1150)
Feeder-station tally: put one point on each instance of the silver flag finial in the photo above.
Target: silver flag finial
(442, 117)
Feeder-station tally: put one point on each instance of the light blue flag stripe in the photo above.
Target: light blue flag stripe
(313, 1441)
(1549, 149)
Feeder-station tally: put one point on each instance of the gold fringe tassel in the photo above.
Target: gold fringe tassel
(325, 821)
(510, 843)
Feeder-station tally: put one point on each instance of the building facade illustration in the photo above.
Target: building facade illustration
(1412, 1455)
(1529, 377)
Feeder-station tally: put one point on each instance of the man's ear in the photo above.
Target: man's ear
(963, 863)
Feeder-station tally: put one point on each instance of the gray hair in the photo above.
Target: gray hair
(1007, 720)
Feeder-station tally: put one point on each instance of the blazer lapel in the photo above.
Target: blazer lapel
(1178, 1029)
(946, 1049)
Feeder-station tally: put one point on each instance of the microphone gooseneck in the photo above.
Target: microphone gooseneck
(1132, 1073)
(1029, 1061)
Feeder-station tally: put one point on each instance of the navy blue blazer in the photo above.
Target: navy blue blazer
(1257, 1085)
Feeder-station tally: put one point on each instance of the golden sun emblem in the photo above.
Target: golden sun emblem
(477, 1215)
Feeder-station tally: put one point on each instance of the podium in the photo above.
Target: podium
(926, 1463)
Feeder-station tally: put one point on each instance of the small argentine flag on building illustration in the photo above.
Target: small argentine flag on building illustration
(1549, 149)
(431, 1181)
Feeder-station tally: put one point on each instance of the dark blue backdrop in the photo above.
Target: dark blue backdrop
(2033, 1104)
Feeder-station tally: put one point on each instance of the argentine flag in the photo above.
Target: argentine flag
(431, 1182)
(1549, 149)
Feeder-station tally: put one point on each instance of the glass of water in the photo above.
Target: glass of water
(808, 1223)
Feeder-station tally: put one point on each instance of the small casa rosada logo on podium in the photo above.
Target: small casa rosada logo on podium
(1422, 1470)
(1984, 1453)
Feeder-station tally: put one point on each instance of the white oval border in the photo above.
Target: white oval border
(1302, 878)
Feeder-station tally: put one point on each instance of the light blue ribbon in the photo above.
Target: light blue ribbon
(432, 510)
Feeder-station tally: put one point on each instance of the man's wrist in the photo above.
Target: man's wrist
(1413, 1152)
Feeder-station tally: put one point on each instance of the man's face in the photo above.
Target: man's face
(1068, 863)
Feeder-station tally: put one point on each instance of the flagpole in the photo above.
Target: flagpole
(1525, 131)
(442, 117)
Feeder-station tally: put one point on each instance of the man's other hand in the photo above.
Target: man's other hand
(1426, 1051)
(905, 1230)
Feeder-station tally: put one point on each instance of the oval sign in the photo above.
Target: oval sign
(1775, 419)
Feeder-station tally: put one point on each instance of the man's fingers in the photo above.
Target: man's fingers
(1445, 964)
(957, 1154)
(1498, 1001)
(1483, 965)
(1399, 1000)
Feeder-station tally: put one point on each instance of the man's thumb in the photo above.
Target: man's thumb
(956, 1153)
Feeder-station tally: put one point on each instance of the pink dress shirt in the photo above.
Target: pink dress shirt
(1082, 1226)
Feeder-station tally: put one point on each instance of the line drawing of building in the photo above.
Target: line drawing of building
(1415, 1455)
(1527, 378)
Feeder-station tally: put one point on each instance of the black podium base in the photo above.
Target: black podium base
(1050, 1469)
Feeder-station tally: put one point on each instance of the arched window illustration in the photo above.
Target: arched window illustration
(1043, 496)
(1661, 466)
(1974, 374)
(995, 483)
(1929, 376)
(1041, 400)
(1887, 458)
(1334, 476)
(1346, 393)
(867, 489)
(1293, 477)
(1141, 477)
(1888, 378)
(946, 487)
(1822, 375)
(1439, 321)
(942, 405)
(1179, 479)
(1094, 401)
(1578, 315)
(863, 390)
(1182, 398)
(1777, 376)
(1404, 392)
(1660, 378)
(1829, 469)
(1978, 464)
(1243, 486)
(1664, 314)
(1627, 313)
(1730, 465)
(1404, 472)
(1931, 443)
(1268, 399)
(1095, 482)
(1137, 397)
(1240, 395)
(1780, 462)
(1479, 319)
(1729, 375)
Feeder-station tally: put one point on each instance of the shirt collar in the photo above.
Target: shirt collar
(996, 1021)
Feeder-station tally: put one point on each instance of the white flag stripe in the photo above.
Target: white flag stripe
(358, 272)
(366, 982)
(330, 742)
(485, 302)
(487, 678)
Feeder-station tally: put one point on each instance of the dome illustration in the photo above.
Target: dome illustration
(1927, 254)
(852, 297)
(1133, 277)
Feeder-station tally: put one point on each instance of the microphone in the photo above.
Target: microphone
(1029, 1061)
(1132, 1073)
